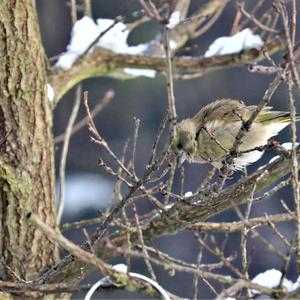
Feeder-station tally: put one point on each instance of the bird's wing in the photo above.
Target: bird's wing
(231, 111)
(223, 109)
(221, 121)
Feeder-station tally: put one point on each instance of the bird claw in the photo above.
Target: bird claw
(227, 174)
(273, 143)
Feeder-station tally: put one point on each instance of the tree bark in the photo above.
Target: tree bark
(26, 145)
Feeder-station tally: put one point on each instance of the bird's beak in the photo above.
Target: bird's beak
(181, 158)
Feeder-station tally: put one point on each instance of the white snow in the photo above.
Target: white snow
(169, 206)
(188, 194)
(296, 285)
(261, 167)
(140, 72)
(50, 92)
(288, 146)
(120, 268)
(174, 20)
(244, 39)
(274, 158)
(84, 33)
(271, 279)
(173, 45)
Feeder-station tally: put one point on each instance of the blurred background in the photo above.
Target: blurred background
(89, 188)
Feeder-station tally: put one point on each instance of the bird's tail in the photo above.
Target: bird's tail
(276, 116)
(286, 117)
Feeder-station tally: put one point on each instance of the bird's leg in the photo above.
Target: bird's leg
(277, 146)
(272, 143)
(227, 174)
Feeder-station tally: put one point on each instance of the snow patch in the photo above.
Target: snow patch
(120, 268)
(169, 206)
(85, 31)
(174, 20)
(274, 158)
(289, 146)
(140, 72)
(173, 45)
(296, 285)
(242, 40)
(50, 92)
(271, 279)
(188, 194)
(261, 167)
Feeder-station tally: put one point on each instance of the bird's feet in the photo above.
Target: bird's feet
(228, 174)
(272, 143)
(276, 145)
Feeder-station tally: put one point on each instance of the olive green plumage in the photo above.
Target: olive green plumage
(210, 134)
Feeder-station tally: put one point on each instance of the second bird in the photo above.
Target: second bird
(209, 135)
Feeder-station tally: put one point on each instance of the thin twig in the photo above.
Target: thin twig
(235, 24)
(170, 83)
(258, 4)
(141, 239)
(96, 40)
(170, 180)
(270, 247)
(274, 190)
(196, 278)
(87, 8)
(73, 11)
(64, 154)
(289, 43)
(239, 226)
(111, 172)
(294, 23)
(135, 137)
(212, 20)
(151, 9)
(99, 140)
(216, 251)
(244, 238)
(277, 232)
(295, 167)
(182, 180)
(82, 123)
(254, 20)
(158, 137)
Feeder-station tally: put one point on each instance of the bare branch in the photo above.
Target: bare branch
(63, 160)
(101, 105)
(102, 62)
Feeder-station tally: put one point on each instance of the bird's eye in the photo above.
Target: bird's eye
(179, 146)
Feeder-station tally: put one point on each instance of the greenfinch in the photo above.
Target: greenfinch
(210, 134)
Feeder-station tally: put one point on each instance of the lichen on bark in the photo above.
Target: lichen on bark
(26, 154)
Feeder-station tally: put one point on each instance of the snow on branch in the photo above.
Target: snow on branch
(271, 278)
(174, 20)
(235, 44)
(85, 31)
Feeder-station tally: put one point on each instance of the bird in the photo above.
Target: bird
(209, 135)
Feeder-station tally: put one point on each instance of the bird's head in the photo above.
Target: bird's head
(184, 142)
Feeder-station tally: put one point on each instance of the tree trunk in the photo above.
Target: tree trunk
(26, 145)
